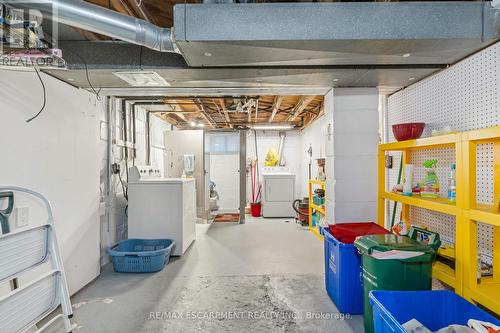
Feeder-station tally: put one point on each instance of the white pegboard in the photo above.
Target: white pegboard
(484, 173)
(438, 222)
(465, 97)
(438, 285)
(485, 242)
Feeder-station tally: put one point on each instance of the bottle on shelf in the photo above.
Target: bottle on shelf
(430, 183)
(452, 183)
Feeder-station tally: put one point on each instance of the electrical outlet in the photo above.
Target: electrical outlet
(22, 216)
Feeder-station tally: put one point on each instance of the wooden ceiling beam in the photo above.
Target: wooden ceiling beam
(205, 115)
(223, 113)
(312, 116)
(226, 114)
(179, 113)
(168, 117)
(139, 10)
(303, 102)
(276, 106)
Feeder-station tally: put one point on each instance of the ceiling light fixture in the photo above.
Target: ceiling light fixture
(207, 54)
(411, 79)
(271, 127)
(142, 79)
(335, 80)
(406, 55)
(201, 125)
(192, 123)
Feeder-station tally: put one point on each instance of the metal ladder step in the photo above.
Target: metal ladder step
(24, 307)
(20, 252)
(23, 250)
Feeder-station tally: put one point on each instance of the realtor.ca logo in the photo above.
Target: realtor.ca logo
(26, 40)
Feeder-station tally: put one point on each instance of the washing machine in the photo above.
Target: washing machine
(161, 207)
(278, 185)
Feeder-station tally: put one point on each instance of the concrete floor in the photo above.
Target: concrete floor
(264, 276)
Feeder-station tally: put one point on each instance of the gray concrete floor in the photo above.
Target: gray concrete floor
(264, 276)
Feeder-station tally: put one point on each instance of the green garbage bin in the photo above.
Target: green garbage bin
(393, 274)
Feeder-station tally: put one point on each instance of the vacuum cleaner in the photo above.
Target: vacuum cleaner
(301, 207)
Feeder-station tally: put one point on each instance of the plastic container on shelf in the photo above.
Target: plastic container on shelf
(315, 219)
(434, 309)
(343, 264)
(414, 273)
(141, 255)
(318, 201)
(430, 184)
(452, 183)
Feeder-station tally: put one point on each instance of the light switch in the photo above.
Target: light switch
(22, 216)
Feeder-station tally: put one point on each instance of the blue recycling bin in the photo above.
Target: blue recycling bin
(435, 309)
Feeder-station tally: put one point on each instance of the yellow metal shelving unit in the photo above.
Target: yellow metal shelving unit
(312, 207)
(485, 291)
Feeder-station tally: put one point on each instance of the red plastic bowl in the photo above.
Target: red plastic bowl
(408, 131)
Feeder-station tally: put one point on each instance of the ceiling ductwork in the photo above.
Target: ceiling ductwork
(86, 16)
(271, 45)
(339, 33)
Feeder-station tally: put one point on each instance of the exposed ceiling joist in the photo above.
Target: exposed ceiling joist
(276, 106)
(181, 115)
(234, 112)
(205, 115)
(226, 114)
(140, 10)
(256, 109)
(312, 116)
(300, 106)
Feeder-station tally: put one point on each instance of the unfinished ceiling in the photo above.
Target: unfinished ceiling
(235, 113)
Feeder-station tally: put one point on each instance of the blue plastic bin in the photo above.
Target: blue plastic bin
(434, 309)
(141, 255)
(343, 274)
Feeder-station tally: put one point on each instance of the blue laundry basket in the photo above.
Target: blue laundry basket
(141, 255)
(435, 309)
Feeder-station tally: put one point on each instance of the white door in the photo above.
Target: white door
(224, 170)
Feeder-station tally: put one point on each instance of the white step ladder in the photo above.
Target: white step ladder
(20, 252)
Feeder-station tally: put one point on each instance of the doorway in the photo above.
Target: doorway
(222, 158)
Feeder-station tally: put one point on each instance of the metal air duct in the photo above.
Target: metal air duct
(87, 16)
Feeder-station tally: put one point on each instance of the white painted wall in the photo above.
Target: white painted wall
(179, 143)
(57, 155)
(355, 154)
(157, 129)
(312, 136)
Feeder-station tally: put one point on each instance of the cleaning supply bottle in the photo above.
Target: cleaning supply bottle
(430, 183)
(408, 180)
(452, 184)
